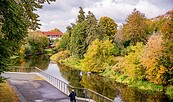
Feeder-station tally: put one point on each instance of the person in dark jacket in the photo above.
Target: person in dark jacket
(72, 96)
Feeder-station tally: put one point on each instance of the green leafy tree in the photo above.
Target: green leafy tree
(81, 16)
(16, 16)
(64, 41)
(98, 56)
(91, 28)
(38, 42)
(107, 27)
(77, 40)
(135, 28)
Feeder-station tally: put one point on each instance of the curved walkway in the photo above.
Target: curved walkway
(31, 88)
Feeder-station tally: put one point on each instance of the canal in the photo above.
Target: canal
(104, 86)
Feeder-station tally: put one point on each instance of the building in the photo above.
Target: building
(52, 35)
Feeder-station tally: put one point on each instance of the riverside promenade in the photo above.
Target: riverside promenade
(35, 85)
(29, 87)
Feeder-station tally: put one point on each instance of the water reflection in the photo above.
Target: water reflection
(54, 70)
(109, 88)
(41, 61)
(73, 76)
(104, 86)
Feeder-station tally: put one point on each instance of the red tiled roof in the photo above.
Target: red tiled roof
(52, 33)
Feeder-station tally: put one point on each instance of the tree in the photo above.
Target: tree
(119, 39)
(55, 30)
(134, 29)
(64, 41)
(107, 27)
(155, 25)
(81, 16)
(38, 42)
(131, 63)
(77, 40)
(91, 28)
(155, 72)
(98, 56)
(167, 57)
(16, 16)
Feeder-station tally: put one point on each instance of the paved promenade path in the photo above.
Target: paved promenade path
(32, 88)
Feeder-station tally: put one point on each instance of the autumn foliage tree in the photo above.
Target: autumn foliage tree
(134, 29)
(107, 27)
(150, 60)
(98, 56)
(131, 65)
(167, 57)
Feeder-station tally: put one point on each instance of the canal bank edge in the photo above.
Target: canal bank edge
(139, 84)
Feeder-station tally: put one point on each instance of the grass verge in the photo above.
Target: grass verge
(72, 62)
(7, 94)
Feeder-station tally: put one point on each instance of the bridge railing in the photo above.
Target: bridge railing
(82, 93)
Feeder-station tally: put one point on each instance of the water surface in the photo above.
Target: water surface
(104, 86)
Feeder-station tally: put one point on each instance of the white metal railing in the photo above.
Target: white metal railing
(82, 93)
(87, 94)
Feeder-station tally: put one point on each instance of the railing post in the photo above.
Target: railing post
(98, 98)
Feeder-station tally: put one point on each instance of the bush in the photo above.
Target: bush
(28, 50)
(169, 91)
(60, 56)
(73, 62)
(99, 56)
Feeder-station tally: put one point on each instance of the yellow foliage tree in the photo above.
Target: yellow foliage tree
(150, 60)
(131, 64)
(99, 56)
(108, 27)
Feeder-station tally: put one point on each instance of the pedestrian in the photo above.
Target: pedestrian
(72, 96)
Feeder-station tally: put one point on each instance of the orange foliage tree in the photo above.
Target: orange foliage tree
(150, 60)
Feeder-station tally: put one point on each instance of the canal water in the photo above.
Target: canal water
(104, 86)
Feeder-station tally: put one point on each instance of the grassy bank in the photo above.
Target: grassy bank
(143, 85)
(140, 84)
(7, 94)
(72, 62)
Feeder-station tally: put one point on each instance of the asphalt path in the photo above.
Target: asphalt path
(30, 88)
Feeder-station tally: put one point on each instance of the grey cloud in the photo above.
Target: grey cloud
(165, 4)
(63, 12)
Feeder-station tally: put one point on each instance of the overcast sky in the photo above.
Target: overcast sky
(62, 13)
